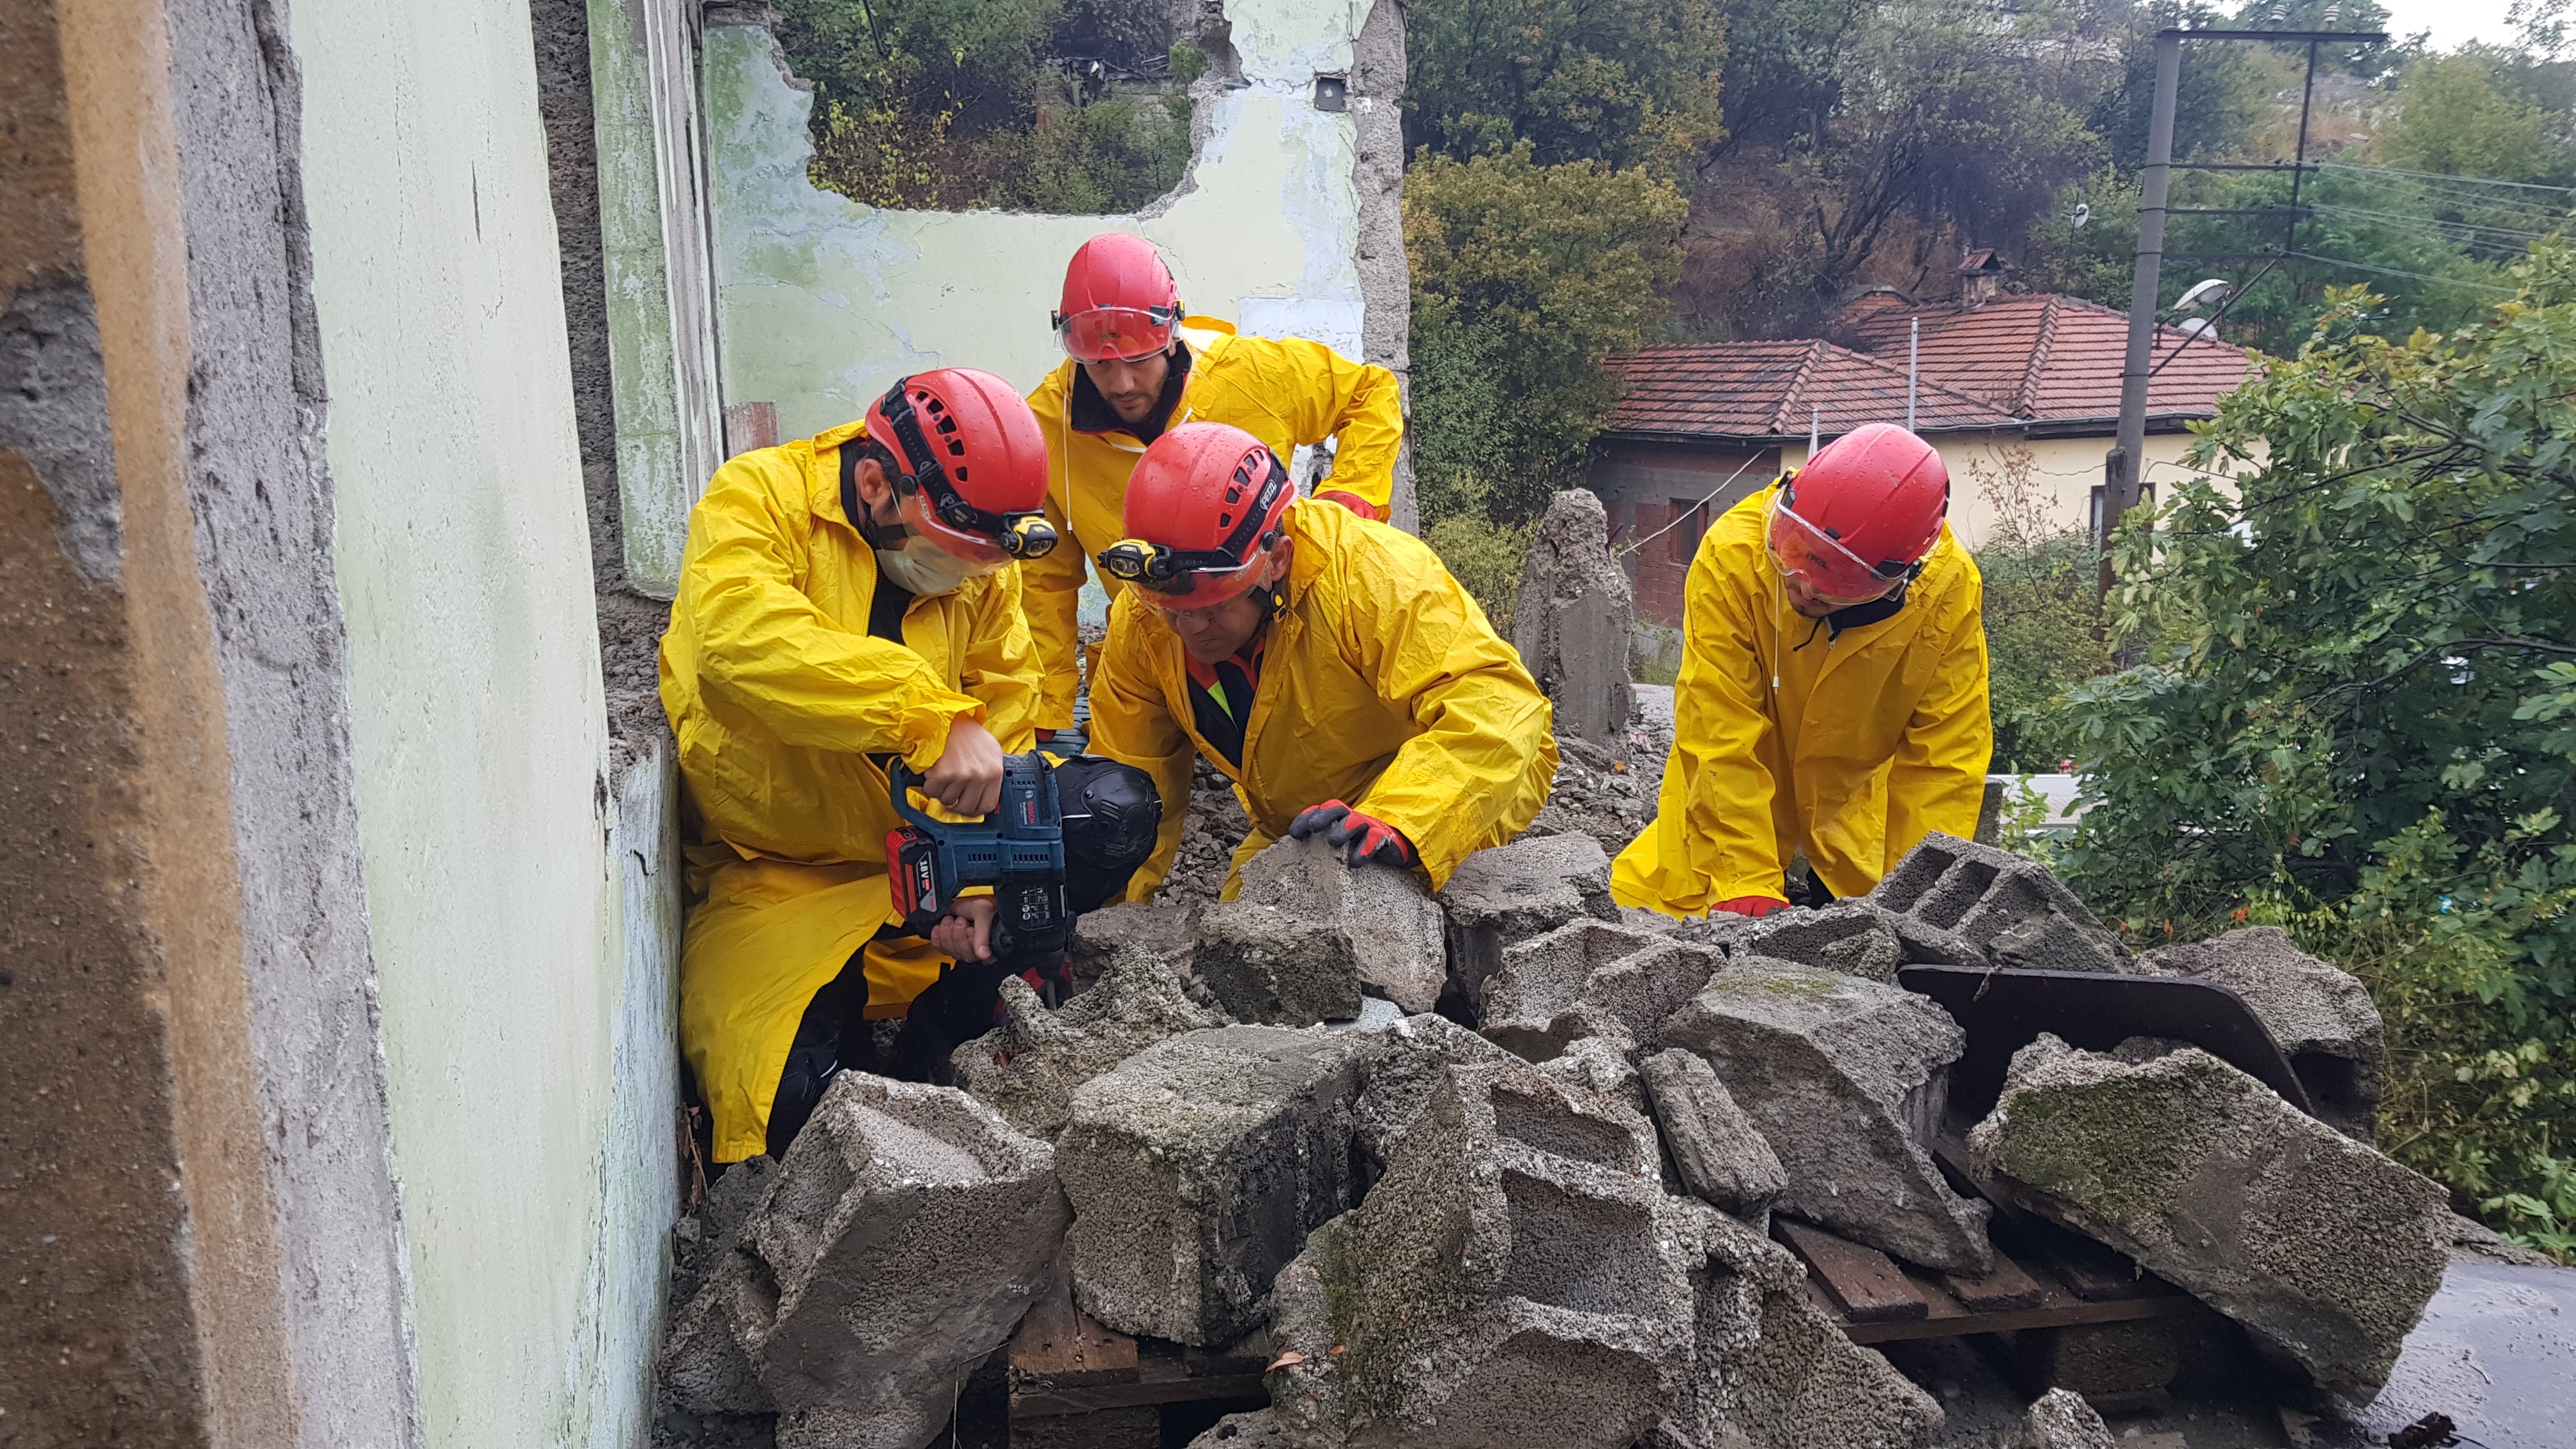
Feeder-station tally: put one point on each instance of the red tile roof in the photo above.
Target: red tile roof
(2034, 360)
(2047, 357)
(1767, 389)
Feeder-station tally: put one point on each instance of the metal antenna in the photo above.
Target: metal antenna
(1913, 369)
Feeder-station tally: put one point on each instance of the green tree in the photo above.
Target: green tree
(1525, 279)
(2369, 727)
(2042, 612)
(2460, 115)
(1622, 82)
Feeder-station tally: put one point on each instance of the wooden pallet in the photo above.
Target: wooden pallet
(1063, 1361)
(1879, 1300)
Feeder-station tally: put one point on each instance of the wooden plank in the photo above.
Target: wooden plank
(1059, 1345)
(2055, 1315)
(2007, 1287)
(2096, 1273)
(1866, 1282)
(1083, 1398)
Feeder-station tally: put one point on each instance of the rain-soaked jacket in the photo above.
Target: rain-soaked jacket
(779, 696)
(1382, 686)
(1284, 391)
(1865, 742)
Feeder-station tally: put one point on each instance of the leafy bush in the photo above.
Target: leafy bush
(1526, 278)
(1485, 557)
(959, 104)
(1624, 82)
(2367, 727)
(2043, 616)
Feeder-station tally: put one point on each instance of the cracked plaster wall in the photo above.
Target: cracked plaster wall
(1281, 225)
(526, 1035)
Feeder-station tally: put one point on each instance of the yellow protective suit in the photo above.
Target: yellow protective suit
(1282, 391)
(778, 696)
(1863, 745)
(1382, 686)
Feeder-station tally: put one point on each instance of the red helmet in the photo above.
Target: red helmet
(1119, 300)
(1858, 519)
(971, 463)
(1203, 506)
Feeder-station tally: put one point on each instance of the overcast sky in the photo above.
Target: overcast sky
(2453, 22)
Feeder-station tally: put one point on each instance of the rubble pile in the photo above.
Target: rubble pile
(1504, 1167)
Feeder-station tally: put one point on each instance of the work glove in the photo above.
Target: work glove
(1367, 837)
(1755, 906)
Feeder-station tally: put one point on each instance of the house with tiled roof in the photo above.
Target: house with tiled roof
(2019, 393)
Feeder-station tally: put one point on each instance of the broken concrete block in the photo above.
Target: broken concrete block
(704, 1363)
(1393, 923)
(907, 1232)
(1028, 1067)
(1843, 1078)
(1199, 1166)
(2062, 1420)
(1511, 893)
(1600, 1065)
(2011, 910)
(1397, 1082)
(1268, 968)
(2311, 1240)
(2119, 1367)
(1771, 1371)
(1517, 1279)
(1591, 978)
(1573, 617)
(1853, 937)
(2321, 1017)
(1162, 934)
(1716, 1148)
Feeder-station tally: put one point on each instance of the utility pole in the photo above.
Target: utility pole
(2123, 469)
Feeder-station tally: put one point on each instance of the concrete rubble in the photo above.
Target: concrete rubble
(2313, 1241)
(1198, 1166)
(2321, 1017)
(1843, 1078)
(1028, 1067)
(1957, 903)
(1855, 938)
(1716, 1149)
(2062, 1420)
(1159, 934)
(1591, 978)
(1263, 966)
(1549, 1229)
(1572, 620)
(1393, 923)
(1511, 893)
(899, 1241)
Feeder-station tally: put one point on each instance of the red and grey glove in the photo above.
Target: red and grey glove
(1755, 906)
(1368, 837)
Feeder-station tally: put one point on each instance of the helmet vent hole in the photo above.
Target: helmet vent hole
(956, 449)
(1225, 520)
(947, 423)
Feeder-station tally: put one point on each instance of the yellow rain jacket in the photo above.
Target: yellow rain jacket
(1863, 745)
(1381, 686)
(778, 696)
(1284, 391)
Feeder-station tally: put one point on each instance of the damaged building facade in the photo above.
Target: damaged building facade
(358, 367)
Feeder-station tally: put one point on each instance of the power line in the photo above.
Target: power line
(2429, 194)
(2395, 272)
(2446, 176)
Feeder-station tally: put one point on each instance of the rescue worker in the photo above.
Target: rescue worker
(1327, 664)
(844, 600)
(1138, 368)
(1832, 697)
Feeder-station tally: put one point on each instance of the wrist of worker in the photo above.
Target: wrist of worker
(925, 728)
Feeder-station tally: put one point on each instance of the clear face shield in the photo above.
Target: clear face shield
(1815, 558)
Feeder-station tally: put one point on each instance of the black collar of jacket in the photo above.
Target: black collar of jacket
(1862, 615)
(1089, 412)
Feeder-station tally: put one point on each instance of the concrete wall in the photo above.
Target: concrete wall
(824, 302)
(535, 1177)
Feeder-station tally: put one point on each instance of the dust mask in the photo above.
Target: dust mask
(919, 567)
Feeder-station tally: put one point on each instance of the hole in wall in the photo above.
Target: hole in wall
(1065, 107)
